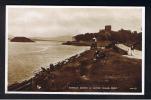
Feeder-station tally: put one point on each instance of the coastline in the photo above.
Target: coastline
(105, 73)
(39, 54)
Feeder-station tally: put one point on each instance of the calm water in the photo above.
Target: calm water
(24, 59)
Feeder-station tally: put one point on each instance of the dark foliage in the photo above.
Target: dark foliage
(122, 36)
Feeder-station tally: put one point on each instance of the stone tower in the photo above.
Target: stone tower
(107, 32)
(108, 28)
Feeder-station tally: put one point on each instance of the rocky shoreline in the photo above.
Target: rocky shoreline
(80, 73)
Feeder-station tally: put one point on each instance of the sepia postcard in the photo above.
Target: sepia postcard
(90, 50)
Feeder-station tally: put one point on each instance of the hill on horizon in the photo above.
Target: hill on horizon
(58, 38)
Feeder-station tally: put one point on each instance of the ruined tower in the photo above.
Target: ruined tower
(107, 32)
(108, 28)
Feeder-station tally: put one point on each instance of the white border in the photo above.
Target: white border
(75, 93)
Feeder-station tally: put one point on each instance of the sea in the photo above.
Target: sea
(26, 59)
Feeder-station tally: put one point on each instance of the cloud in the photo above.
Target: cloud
(52, 22)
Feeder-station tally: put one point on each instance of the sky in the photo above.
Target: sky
(57, 21)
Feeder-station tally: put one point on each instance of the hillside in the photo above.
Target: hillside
(122, 36)
(80, 73)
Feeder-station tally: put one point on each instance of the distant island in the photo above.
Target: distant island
(21, 39)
